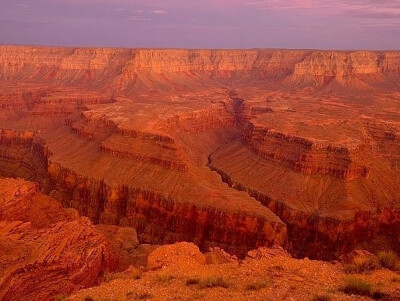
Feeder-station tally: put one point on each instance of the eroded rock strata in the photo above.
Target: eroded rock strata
(130, 71)
(127, 136)
(45, 250)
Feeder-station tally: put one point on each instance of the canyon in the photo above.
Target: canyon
(235, 149)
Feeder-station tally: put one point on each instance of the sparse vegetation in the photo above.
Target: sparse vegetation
(278, 267)
(192, 281)
(130, 295)
(136, 274)
(214, 282)
(124, 275)
(60, 297)
(323, 297)
(361, 264)
(129, 274)
(364, 263)
(164, 278)
(389, 260)
(212, 258)
(358, 286)
(143, 296)
(198, 295)
(254, 286)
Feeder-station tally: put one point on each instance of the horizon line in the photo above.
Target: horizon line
(188, 48)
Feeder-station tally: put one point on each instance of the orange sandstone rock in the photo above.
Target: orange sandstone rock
(181, 253)
(46, 250)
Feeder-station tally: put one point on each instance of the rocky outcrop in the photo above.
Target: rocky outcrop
(46, 250)
(123, 244)
(260, 253)
(42, 263)
(176, 254)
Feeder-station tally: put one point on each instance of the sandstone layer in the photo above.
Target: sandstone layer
(130, 71)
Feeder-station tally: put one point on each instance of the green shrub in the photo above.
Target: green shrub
(214, 282)
(129, 295)
(164, 278)
(143, 296)
(278, 267)
(135, 274)
(357, 286)
(388, 259)
(362, 264)
(60, 297)
(192, 281)
(212, 258)
(132, 273)
(256, 285)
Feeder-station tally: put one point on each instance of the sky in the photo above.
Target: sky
(304, 24)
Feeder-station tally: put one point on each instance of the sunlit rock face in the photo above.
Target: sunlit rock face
(231, 148)
(46, 250)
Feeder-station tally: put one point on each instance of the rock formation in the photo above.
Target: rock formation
(45, 250)
(182, 253)
(123, 244)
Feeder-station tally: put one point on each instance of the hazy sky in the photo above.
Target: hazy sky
(339, 24)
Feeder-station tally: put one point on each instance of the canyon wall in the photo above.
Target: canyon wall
(127, 71)
(316, 235)
(301, 154)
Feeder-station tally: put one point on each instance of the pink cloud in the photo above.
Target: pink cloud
(286, 4)
(159, 12)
